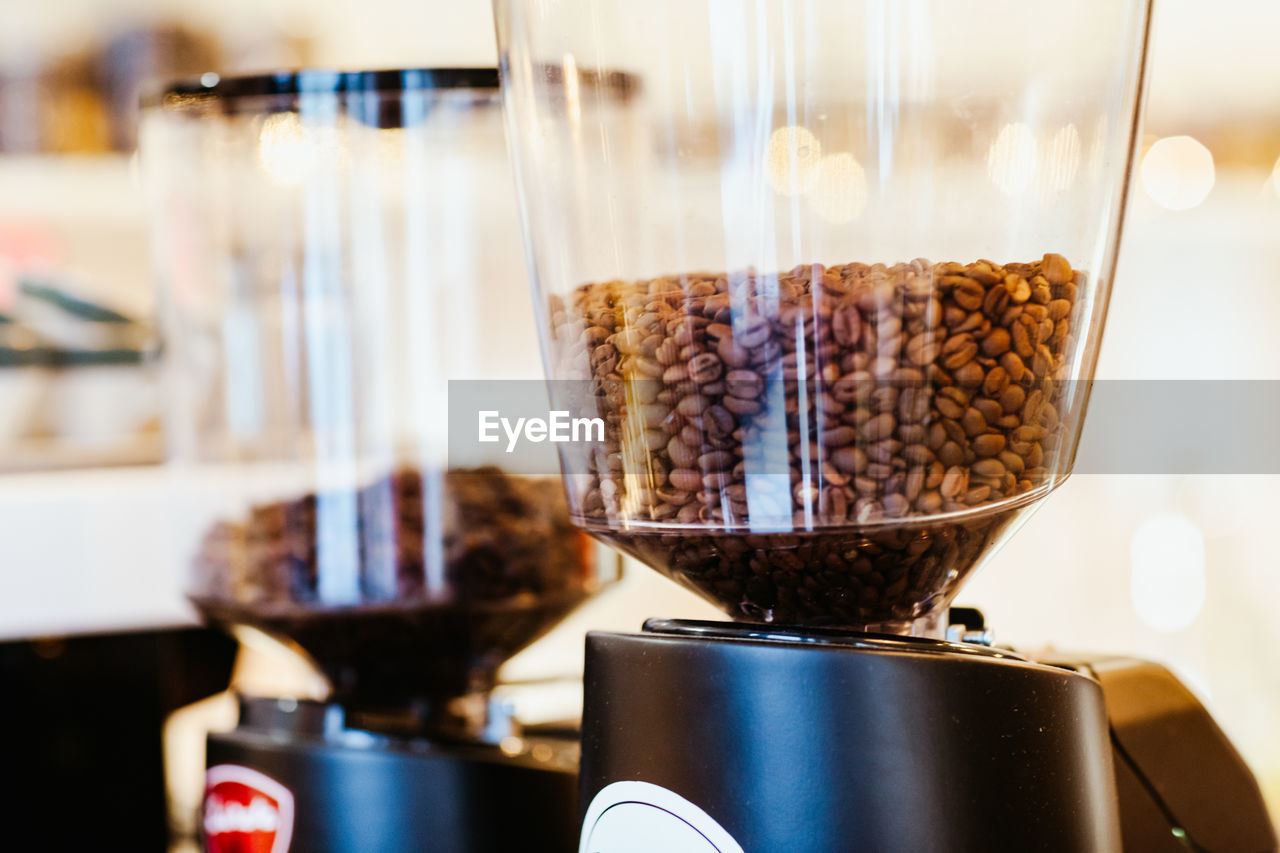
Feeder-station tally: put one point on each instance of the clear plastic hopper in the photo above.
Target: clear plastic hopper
(333, 249)
(834, 278)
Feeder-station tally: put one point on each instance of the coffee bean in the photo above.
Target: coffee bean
(924, 348)
(968, 294)
(958, 351)
(1035, 457)
(951, 454)
(846, 325)
(1012, 398)
(732, 354)
(948, 407)
(1022, 343)
(1018, 289)
(1031, 408)
(705, 367)
(930, 502)
(851, 460)
(973, 422)
(996, 343)
(914, 484)
(989, 444)
(839, 436)
(917, 454)
(896, 505)
(716, 460)
(996, 301)
(1056, 270)
(969, 375)
(955, 482)
(989, 467)
(1030, 432)
(996, 380)
(739, 406)
(989, 409)
(752, 332)
(1059, 309)
(719, 421)
(1012, 461)
(879, 427)
(744, 384)
(977, 495)
(1012, 363)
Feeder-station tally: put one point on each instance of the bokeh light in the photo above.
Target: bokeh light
(1177, 172)
(839, 191)
(284, 149)
(794, 153)
(1168, 574)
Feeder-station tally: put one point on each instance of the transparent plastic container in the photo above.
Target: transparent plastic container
(834, 278)
(333, 250)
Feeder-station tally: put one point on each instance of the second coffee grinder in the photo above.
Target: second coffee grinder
(325, 244)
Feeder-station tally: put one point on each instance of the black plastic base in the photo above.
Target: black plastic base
(352, 791)
(819, 742)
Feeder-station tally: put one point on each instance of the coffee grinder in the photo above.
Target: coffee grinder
(836, 288)
(334, 249)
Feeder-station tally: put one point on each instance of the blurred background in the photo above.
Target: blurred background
(1182, 570)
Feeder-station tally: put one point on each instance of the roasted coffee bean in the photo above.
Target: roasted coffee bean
(917, 454)
(968, 294)
(879, 427)
(951, 454)
(685, 479)
(846, 326)
(705, 367)
(739, 406)
(989, 409)
(973, 422)
(949, 407)
(955, 481)
(1012, 398)
(850, 460)
(1056, 270)
(958, 351)
(719, 421)
(1022, 342)
(969, 375)
(989, 444)
(989, 467)
(1013, 365)
(1059, 309)
(744, 384)
(924, 348)
(839, 436)
(914, 483)
(996, 380)
(996, 343)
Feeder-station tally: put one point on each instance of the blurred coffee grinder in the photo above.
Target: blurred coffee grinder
(334, 249)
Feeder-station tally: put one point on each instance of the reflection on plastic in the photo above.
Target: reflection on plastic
(1011, 160)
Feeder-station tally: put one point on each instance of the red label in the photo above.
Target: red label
(246, 812)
